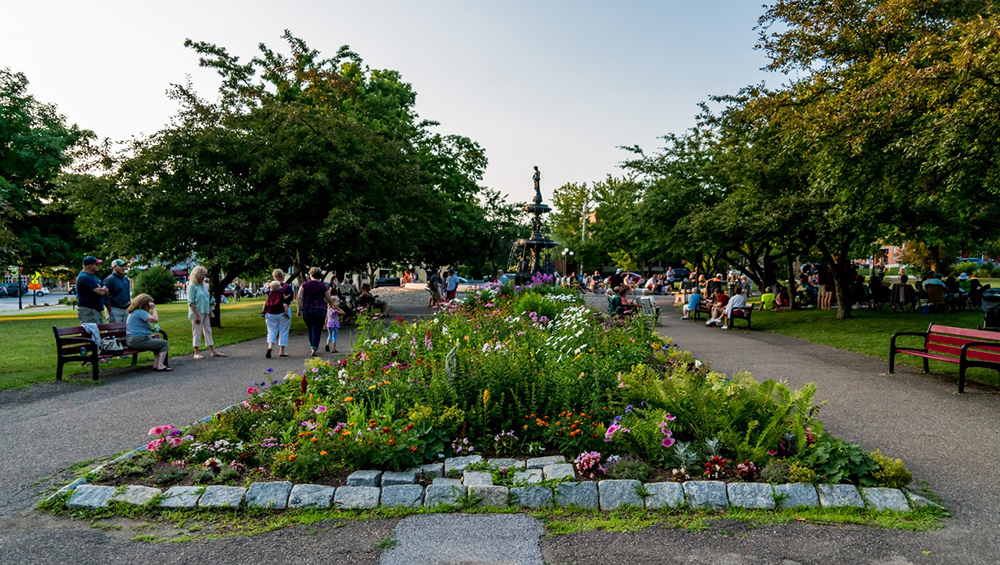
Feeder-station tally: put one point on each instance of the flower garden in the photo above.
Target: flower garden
(511, 372)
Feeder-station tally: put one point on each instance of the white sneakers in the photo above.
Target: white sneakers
(725, 327)
(684, 317)
(712, 322)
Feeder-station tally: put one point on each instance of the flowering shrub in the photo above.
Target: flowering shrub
(513, 371)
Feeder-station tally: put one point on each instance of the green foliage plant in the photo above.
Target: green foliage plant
(892, 473)
(157, 282)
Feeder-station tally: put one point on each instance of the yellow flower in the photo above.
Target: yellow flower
(486, 396)
(348, 399)
(371, 387)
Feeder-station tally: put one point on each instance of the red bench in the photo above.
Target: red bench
(69, 341)
(967, 348)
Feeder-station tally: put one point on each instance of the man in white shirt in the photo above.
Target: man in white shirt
(451, 285)
(737, 301)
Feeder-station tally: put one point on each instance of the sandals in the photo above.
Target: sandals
(164, 369)
(219, 354)
(283, 355)
(199, 356)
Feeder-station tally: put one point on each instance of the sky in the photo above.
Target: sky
(557, 84)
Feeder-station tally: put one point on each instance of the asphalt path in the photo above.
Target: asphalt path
(950, 441)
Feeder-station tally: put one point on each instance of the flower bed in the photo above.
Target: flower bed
(512, 373)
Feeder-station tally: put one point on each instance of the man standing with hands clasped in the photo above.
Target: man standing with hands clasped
(90, 292)
(119, 295)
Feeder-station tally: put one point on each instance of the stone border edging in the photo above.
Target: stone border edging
(369, 489)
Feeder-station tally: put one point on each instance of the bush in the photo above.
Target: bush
(984, 273)
(776, 471)
(892, 473)
(158, 283)
(967, 267)
(628, 467)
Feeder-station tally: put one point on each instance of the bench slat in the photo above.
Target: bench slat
(942, 338)
(977, 335)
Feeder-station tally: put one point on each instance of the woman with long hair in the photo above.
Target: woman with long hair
(200, 312)
(139, 332)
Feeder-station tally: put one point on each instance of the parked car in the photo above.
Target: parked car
(387, 281)
(42, 291)
(681, 273)
(10, 289)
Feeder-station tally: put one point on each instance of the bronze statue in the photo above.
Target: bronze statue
(538, 191)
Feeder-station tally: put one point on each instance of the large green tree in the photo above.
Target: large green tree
(36, 147)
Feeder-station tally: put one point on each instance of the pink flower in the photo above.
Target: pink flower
(315, 369)
(320, 409)
(154, 445)
(252, 390)
(174, 441)
(669, 417)
(668, 441)
(159, 430)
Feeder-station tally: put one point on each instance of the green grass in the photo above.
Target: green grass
(28, 354)
(869, 333)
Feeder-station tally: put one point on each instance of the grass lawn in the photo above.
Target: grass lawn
(869, 333)
(28, 353)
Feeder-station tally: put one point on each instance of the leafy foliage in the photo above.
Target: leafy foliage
(157, 282)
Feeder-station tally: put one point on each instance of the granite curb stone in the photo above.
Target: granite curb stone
(582, 495)
(431, 470)
(477, 478)
(619, 492)
(559, 471)
(218, 496)
(357, 498)
(541, 462)
(882, 499)
(796, 494)
(459, 464)
(706, 494)
(751, 495)
(664, 495)
(311, 496)
(532, 476)
(410, 496)
(918, 501)
(181, 497)
(364, 478)
(137, 495)
(91, 496)
(442, 494)
(532, 497)
(508, 463)
(491, 495)
(269, 495)
(833, 496)
(399, 478)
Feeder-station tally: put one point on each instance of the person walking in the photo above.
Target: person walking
(451, 285)
(313, 299)
(139, 332)
(333, 313)
(90, 292)
(275, 312)
(287, 295)
(119, 296)
(200, 312)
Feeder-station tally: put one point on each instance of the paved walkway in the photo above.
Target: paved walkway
(951, 441)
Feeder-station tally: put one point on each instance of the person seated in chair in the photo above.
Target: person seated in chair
(903, 295)
(737, 302)
(620, 306)
(367, 300)
(694, 302)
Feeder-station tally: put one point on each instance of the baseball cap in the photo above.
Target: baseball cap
(91, 260)
(117, 263)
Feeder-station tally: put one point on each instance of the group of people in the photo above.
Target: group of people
(114, 295)
(442, 287)
(723, 304)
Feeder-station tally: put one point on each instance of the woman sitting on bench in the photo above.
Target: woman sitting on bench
(139, 334)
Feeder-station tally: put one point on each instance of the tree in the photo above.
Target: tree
(36, 145)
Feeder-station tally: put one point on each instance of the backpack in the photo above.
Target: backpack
(275, 302)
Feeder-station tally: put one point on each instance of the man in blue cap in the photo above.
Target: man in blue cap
(90, 292)
(119, 292)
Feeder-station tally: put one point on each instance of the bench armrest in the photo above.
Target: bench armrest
(892, 342)
(993, 344)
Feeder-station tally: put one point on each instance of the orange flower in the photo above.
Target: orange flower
(291, 457)
(314, 440)
(322, 453)
(392, 441)
(385, 430)
(348, 399)
(526, 426)
(413, 449)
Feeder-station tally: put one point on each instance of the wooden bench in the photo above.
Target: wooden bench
(745, 313)
(967, 348)
(69, 341)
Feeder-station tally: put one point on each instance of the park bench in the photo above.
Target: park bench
(69, 341)
(966, 347)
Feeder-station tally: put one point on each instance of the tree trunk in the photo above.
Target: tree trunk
(215, 287)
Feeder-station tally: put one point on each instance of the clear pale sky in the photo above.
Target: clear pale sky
(558, 84)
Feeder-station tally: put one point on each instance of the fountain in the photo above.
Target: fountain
(531, 249)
